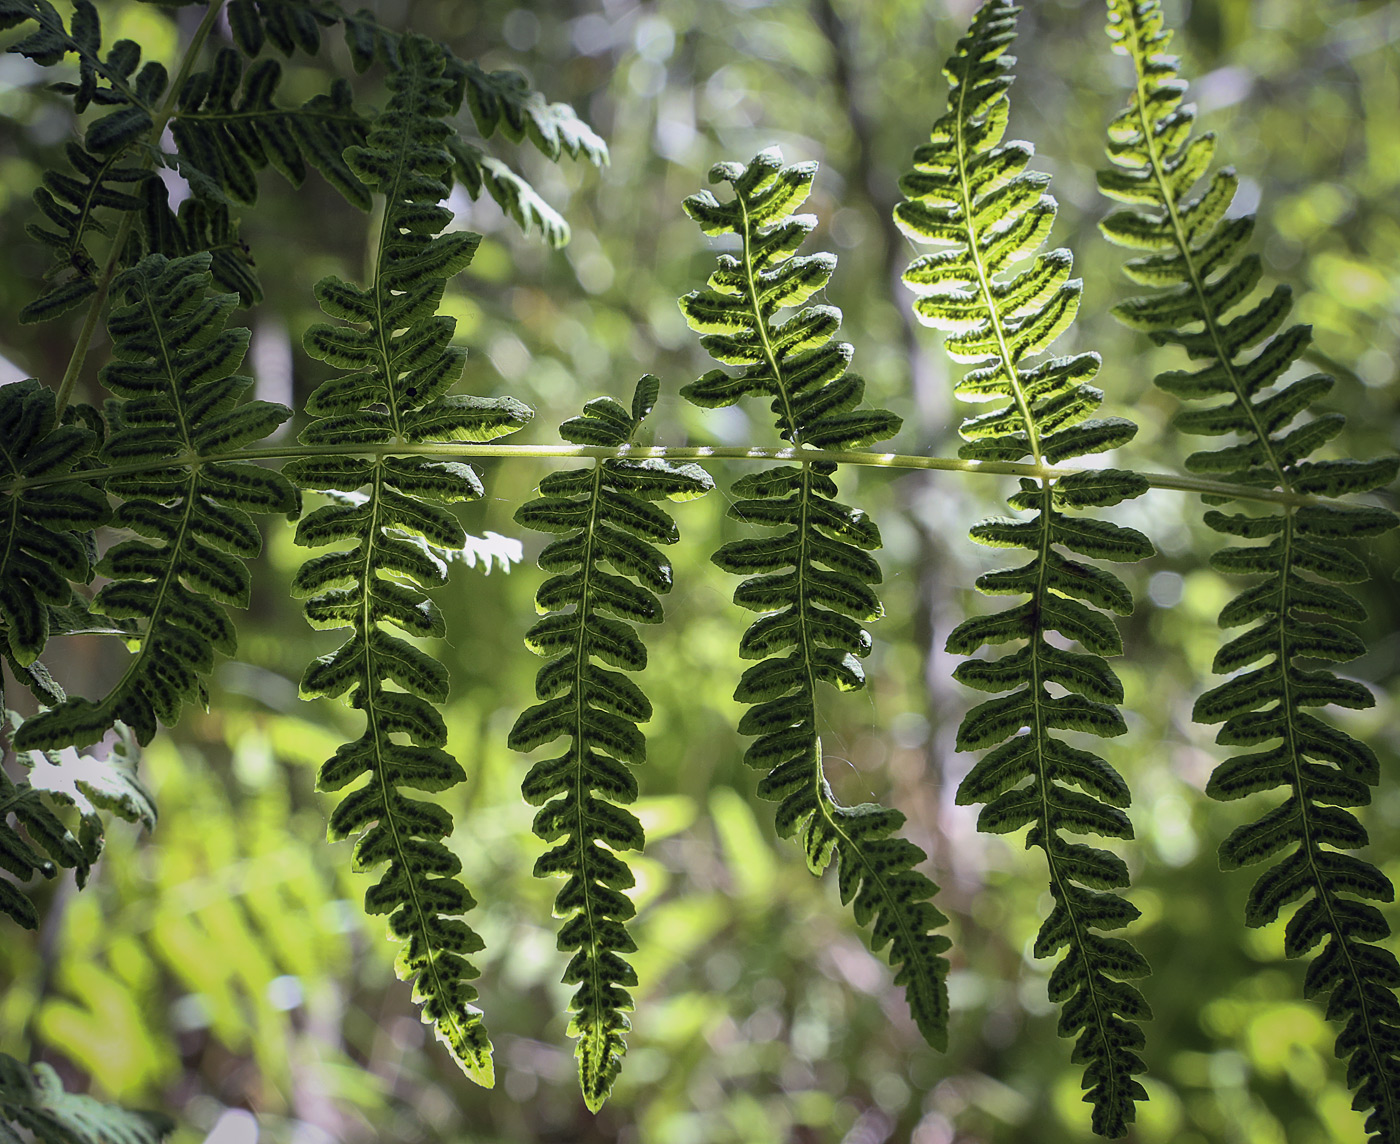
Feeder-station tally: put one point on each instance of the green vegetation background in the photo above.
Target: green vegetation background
(225, 960)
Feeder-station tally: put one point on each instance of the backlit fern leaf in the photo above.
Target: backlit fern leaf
(501, 103)
(178, 394)
(401, 365)
(813, 581)
(36, 1102)
(1295, 611)
(604, 515)
(968, 192)
(45, 530)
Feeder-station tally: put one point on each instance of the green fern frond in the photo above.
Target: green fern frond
(501, 102)
(103, 80)
(814, 582)
(401, 365)
(70, 202)
(178, 394)
(504, 101)
(37, 1103)
(101, 174)
(287, 24)
(197, 226)
(227, 127)
(82, 781)
(519, 201)
(969, 192)
(1296, 611)
(45, 532)
(602, 515)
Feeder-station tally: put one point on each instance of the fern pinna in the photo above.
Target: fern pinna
(176, 420)
(394, 401)
(604, 515)
(813, 581)
(1294, 612)
(968, 191)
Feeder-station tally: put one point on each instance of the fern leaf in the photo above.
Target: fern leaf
(815, 585)
(1195, 262)
(200, 226)
(401, 364)
(287, 24)
(46, 529)
(227, 127)
(37, 1103)
(82, 781)
(178, 394)
(969, 193)
(594, 511)
(504, 102)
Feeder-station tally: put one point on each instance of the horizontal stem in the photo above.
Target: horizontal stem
(455, 449)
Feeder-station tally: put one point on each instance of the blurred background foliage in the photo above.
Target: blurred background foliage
(224, 961)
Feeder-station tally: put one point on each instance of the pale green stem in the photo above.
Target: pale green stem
(806, 455)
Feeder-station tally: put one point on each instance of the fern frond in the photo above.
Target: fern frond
(814, 582)
(504, 101)
(36, 1102)
(197, 226)
(45, 532)
(70, 202)
(227, 127)
(174, 376)
(1296, 611)
(104, 80)
(396, 347)
(602, 515)
(287, 24)
(80, 781)
(101, 175)
(969, 192)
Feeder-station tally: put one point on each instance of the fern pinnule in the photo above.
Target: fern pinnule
(177, 408)
(813, 582)
(45, 530)
(969, 192)
(1296, 611)
(603, 514)
(401, 365)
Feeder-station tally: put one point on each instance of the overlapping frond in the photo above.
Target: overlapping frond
(227, 126)
(969, 193)
(396, 349)
(602, 515)
(85, 782)
(36, 1102)
(813, 581)
(288, 25)
(1294, 611)
(501, 103)
(177, 409)
(45, 529)
(102, 175)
